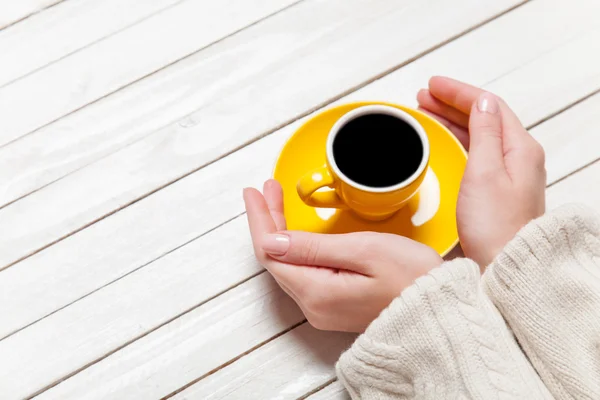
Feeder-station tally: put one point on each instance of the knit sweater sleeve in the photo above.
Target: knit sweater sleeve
(441, 339)
(447, 336)
(546, 284)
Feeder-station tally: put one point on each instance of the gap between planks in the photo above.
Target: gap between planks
(563, 109)
(248, 142)
(31, 13)
(334, 391)
(249, 351)
(317, 389)
(589, 164)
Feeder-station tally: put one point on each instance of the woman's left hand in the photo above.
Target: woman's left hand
(341, 282)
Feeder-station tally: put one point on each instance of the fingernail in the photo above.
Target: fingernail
(487, 103)
(276, 244)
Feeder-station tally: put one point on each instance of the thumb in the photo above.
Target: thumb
(485, 131)
(341, 251)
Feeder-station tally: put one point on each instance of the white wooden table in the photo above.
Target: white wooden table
(128, 129)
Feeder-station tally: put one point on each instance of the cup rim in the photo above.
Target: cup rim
(378, 109)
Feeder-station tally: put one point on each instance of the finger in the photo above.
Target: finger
(274, 197)
(289, 292)
(313, 249)
(462, 96)
(454, 93)
(261, 223)
(428, 102)
(460, 133)
(514, 133)
(485, 128)
(259, 217)
(292, 295)
(321, 283)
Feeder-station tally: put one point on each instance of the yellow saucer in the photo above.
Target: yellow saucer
(429, 217)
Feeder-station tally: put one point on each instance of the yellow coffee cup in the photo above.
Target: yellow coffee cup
(376, 160)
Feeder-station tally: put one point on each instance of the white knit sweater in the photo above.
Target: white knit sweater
(528, 329)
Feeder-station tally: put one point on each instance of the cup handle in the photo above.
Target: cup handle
(311, 182)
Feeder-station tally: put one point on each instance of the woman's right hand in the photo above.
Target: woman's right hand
(504, 183)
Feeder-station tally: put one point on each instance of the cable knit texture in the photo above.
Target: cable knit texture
(546, 283)
(442, 339)
(446, 337)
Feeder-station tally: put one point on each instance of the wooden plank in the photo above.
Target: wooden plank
(286, 368)
(184, 146)
(108, 65)
(210, 335)
(254, 66)
(334, 391)
(143, 232)
(66, 28)
(12, 12)
(581, 187)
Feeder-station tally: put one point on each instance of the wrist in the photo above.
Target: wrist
(563, 231)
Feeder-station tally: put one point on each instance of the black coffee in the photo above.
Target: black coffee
(377, 150)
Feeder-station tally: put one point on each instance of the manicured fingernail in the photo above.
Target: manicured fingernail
(276, 244)
(487, 103)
